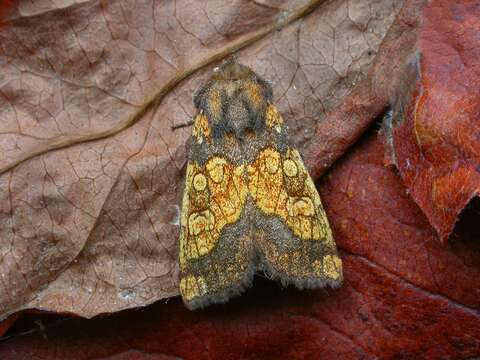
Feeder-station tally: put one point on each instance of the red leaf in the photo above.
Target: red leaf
(436, 134)
(5, 9)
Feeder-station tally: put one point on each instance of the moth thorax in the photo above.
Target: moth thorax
(240, 117)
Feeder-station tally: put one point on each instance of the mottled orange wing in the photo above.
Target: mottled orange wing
(291, 226)
(211, 254)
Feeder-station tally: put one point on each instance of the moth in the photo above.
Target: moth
(249, 203)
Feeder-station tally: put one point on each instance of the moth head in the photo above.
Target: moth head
(234, 99)
(230, 70)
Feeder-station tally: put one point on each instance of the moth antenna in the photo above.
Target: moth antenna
(182, 125)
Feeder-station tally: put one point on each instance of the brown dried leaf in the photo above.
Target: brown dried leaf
(91, 172)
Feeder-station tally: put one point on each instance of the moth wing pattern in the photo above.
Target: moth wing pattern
(291, 227)
(214, 235)
(249, 203)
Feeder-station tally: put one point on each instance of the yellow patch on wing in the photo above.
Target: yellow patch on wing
(265, 182)
(192, 286)
(332, 266)
(215, 196)
(281, 186)
(273, 118)
(201, 128)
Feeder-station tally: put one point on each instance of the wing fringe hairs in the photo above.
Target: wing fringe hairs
(249, 203)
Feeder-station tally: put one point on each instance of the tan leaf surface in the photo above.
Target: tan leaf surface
(91, 172)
